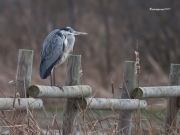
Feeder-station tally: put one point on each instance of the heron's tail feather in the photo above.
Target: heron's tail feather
(43, 71)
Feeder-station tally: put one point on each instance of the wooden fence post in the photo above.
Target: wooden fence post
(72, 78)
(172, 103)
(23, 80)
(24, 70)
(129, 83)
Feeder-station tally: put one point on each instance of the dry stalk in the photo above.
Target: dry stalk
(137, 64)
(18, 97)
(137, 71)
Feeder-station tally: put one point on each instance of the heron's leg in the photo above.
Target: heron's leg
(51, 80)
(54, 80)
(52, 77)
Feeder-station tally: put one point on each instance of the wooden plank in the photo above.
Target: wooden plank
(172, 103)
(157, 92)
(20, 104)
(110, 104)
(59, 92)
(129, 83)
(72, 78)
(24, 70)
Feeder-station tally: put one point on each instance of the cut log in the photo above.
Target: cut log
(110, 104)
(157, 92)
(59, 92)
(20, 104)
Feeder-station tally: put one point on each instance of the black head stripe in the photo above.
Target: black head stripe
(67, 29)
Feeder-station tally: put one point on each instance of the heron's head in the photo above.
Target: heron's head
(71, 31)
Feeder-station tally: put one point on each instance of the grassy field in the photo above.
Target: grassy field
(49, 120)
(105, 122)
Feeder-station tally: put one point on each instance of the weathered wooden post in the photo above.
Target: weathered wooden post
(24, 70)
(72, 78)
(172, 103)
(23, 79)
(129, 83)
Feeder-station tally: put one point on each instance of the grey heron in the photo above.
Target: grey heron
(56, 48)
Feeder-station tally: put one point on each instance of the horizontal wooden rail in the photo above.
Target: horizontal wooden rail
(20, 104)
(59, 92)
(157, 92)
(110, 104)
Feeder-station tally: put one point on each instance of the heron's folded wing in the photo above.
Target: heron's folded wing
(52, 50)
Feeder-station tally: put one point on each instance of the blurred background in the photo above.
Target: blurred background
(113, 28)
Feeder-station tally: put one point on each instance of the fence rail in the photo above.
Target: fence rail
(20, 104)
(59, 92)
(111, 104)
(156, 92)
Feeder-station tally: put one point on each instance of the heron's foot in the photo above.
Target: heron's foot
(60, 86)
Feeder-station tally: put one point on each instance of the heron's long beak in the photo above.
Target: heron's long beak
(79, 33)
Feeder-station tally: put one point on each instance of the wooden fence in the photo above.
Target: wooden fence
(78, 96)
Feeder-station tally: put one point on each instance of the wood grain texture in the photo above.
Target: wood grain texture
(72, 78)
(172, 103)
(129, 83)
(24, 70)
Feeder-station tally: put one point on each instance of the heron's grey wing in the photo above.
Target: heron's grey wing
(52, 51)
